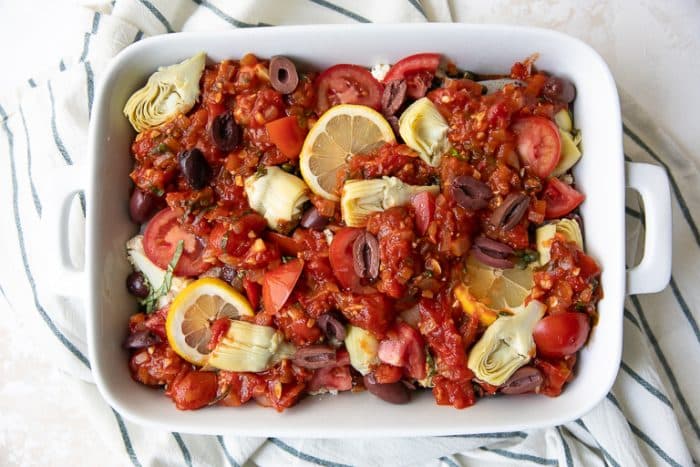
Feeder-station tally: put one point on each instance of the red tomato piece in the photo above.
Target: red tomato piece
(341, 259)
(335, 378)
(287, 245)
(561, 198)
(279, 283)
(194, 390)
(418, 70)
(252, 291)
(218, 329)
(538, 144)
(561, 334)
(556, 374)
(160, 241)
(287, 135)
(347, 84)
(404, 347)
(424, 206)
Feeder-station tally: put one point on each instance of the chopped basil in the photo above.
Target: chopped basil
(525, 257)
(151, 300)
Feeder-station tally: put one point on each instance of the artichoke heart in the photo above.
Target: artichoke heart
(544, 235)
(424, 130)
(249, 347)
(362, 347)
(506, 345)
(278, 196)
(169, 91)
(360, 198)
(570, 139)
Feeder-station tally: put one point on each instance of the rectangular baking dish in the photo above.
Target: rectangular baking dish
(486, 49)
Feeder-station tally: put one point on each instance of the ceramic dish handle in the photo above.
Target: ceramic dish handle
(654, 270)
(63, 185)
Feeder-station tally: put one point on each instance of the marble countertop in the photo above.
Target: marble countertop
(652, 48)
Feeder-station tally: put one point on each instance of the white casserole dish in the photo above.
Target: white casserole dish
(600, 175)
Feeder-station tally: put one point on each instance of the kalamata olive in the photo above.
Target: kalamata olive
(512, 209)
(395, 393)
(195, 168)
(142, 206)
(283, 74)
(525, 379)
(228, 274)
(331, 326)
(137, 285)
(470, 193)
(225, 132)
(559, 89)
(394, 122)
(492, 253)
(314, 357)
(365, 254)
(141, 339)
(393, 96)
(312, 219)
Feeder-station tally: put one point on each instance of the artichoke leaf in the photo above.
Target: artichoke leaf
(424, 130)
(360, 198)
(544, 236)
(363, 349)
(169, 91)
(278, 196)
(249, 347)
(506, 345)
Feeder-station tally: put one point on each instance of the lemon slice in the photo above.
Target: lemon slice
(193, 311)
(340, 133)
(499, 289)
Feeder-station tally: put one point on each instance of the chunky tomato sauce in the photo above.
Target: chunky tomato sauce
(422, 246)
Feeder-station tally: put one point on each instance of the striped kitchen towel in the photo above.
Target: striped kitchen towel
(649, 417)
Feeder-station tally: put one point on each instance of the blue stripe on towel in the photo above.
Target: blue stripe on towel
(185, 452)
(520, 457)
(646, 385)
(341, 10)
(127, 441)
(159, 16)
(606, 454)
(54, 130)
(35, 195)
(232, 462)
(684, 307)
(303, 456)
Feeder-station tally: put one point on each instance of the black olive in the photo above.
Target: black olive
(393, 96)
(492, 253)
(136, 284)
(508, 214)
(142, 205)
(283, 74)
(225, 132)
(365, 252)
(559, 89)
(470, 193)
(195, 168)
(313, 220)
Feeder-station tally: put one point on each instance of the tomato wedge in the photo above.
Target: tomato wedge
(418, 70)
(287, 135)
(252, 291)
(404, 347)
(347, 84)
(287, 245)
(279, 283)
(538, 144)
(424, 206)
(561, 198)
(341, 259)
(160, 241)
(561, 334)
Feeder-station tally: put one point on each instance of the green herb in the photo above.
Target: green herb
(287, 167)
(152, 299)
(286, 259)
(162, 148)
(156, 191)
(580, 306)
(261, 171)
(428, 273)
(525, 257)
(224, 241)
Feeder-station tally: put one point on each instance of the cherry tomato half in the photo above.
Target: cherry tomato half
(347, 84)
(561, 198)
(538, 144)
(424, 206)
(404, 347)
(160, 241)
(418, 70)
(561, 334)
(279, 283)
(341, 259)
(287, 135)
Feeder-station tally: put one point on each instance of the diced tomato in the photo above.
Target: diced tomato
(160, 242)
(458, 394)
(336, 378)
(385, 373)
(538, 144)
(287, 245)
(424, 207)
(279, 283)
(445, 342)
(556, 373)
(561, 198)
(252, 291)
(418, 70)
(347, 84)
(194, 390)
(341, 258)
(372, 311)
(218, 329)
(287, 135)
(404, 347)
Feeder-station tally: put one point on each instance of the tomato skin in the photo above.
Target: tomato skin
(287, 135)
(561, 198)
(160, 241)
(341, 259)
(287, 245)
(194, 390)
(556, 373)
(561, 334)
(218, 329)
(252, 291)
(347, 84)
(418, 71)
(279, 283)
(424, 206)
(538, 144)
(404, 347)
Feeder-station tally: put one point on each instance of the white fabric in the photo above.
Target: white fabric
(649, 418)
